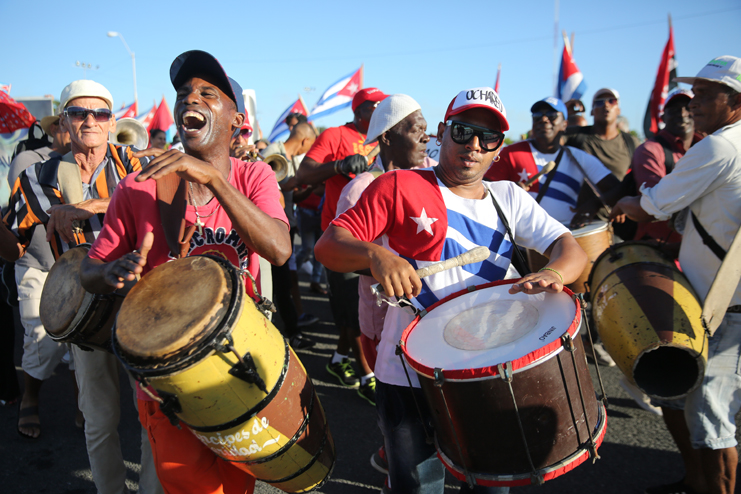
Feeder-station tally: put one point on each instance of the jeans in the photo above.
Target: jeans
(310, 228)
(413, 464)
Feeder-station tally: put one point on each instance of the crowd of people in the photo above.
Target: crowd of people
(371, 208)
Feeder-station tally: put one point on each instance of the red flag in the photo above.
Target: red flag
(664, 83)
(496, 84)
(162, 119)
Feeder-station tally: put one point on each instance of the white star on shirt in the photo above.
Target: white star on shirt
(423, 222)
(523, 175)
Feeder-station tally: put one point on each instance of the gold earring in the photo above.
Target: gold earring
(496, 159)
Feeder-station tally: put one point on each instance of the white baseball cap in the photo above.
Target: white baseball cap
(479, 97)
(85, 89)
(725, 69)
(388, 113)
(605, 91)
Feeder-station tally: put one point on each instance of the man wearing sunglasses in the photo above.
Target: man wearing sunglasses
(39, 203)
(426, 216)
(557, 191)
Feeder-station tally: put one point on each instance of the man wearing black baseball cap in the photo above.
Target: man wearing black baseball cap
(227, 198)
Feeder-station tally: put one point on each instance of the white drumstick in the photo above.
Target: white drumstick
(477, 254)
(547, 168)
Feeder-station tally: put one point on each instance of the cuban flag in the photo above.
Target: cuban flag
(147, 117)
(280, 129)
(664, 83)
(5, 88)
(126, 112)
(339, 95)
(571, 83)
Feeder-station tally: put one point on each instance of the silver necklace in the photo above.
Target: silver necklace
(199, 224)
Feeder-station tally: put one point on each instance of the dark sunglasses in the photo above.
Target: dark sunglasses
(551, 115)
(598, 103)
(462, 133)
(80, 114)
(245, 132)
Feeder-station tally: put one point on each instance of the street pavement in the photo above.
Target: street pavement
(637, 451)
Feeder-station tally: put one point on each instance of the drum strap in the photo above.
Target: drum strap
(549, 178)
(503, 219)
(708, 240)
(171, 202)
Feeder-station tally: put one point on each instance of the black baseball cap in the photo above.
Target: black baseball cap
(194, 62)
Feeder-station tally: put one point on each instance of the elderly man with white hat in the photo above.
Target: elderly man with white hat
(707, 180)
(38, 206)
(426, 216)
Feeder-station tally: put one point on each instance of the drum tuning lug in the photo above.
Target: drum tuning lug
(170, 406)
(246, 370)
(593, 452)
(220, 347)
(505, 371)
(568, 343)
(536, 478)
(439, 378)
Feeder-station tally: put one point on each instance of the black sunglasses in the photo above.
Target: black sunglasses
(598, 103)
(80, 114)
(462, 133)
(551, 115)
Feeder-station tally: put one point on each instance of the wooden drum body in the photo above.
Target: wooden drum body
(69, 313)
(221, 368)
(648, 317)
(507, 383)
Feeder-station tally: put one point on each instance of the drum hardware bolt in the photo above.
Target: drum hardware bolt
(505, 371)
(439, 378)
(246, 370)
(471, 288)
(568, 343)
(220, 347)
(170, 406)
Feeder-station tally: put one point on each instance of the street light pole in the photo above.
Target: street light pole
(113, 34)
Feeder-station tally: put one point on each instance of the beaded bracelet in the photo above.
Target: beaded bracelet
(551, 269)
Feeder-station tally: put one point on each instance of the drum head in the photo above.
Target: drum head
(63, 296)
(592, 228)
(489, 327)
(174, 308)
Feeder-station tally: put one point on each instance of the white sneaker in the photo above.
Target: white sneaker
(603, 358)
(639, 396)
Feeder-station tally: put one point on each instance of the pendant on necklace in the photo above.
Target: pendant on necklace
(199, 225)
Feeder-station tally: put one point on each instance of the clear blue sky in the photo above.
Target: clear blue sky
(429, 50)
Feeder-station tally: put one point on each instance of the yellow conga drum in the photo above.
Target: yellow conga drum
(648, 317)
(188, 330)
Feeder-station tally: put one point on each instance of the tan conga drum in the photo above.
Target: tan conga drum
(648, 317)
(188, 330)
(594, 238)
(69, 313)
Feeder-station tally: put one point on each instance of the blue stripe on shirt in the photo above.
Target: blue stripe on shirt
(568, 181)
(475, 232)
(425, 297)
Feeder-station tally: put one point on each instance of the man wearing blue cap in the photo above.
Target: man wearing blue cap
(224, 195)
(558, 190)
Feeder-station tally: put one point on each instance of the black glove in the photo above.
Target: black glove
(355, 164)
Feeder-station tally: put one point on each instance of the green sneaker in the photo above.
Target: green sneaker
(344, 372)
(368, 391)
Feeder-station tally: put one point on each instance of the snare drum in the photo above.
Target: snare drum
(69, 313)
(507, 384)
(221, 368)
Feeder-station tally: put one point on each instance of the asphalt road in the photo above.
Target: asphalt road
(637, 451)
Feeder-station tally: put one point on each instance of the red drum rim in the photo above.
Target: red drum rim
(549, 473)
(490, 371)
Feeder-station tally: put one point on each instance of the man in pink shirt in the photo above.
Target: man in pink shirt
(236, 211)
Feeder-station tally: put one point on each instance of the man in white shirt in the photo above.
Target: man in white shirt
(708, 181)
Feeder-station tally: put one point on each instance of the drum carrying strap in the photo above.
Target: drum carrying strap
(69, 181)
(549, 178)
(171, 202)
(504, 221)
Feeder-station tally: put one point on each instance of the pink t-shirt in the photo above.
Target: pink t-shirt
(133, 212)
